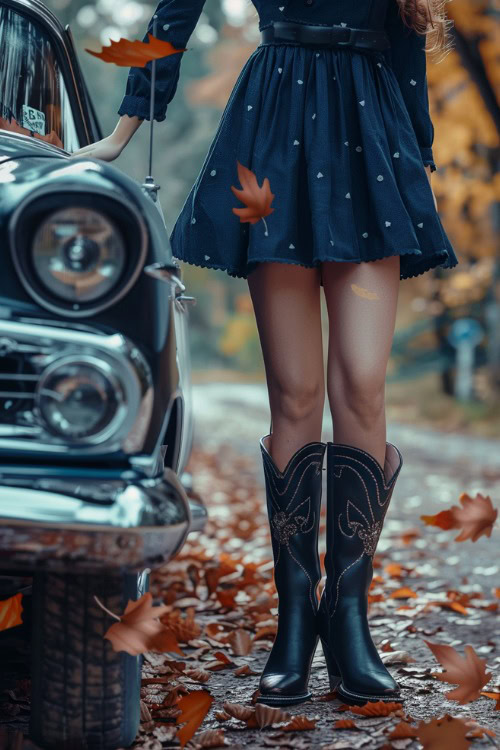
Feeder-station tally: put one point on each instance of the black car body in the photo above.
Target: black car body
(96, 422)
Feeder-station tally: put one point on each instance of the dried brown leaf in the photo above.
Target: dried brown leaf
(345, 724)
(299, 723)
(140, 630)
(241, 642)
(378, 708)
(194, 707)
(468, 672)
(446, 732)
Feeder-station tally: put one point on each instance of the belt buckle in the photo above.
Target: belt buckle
(347, 41)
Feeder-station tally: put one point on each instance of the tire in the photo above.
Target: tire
(84, 694)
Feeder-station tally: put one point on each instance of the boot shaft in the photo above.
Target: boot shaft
(293, 499)
(359, 492)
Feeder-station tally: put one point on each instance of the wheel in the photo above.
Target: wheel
(84, 694)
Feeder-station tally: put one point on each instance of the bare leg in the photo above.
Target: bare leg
(360, 339)
(286, 300)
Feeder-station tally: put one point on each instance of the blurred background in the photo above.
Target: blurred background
(444, 370)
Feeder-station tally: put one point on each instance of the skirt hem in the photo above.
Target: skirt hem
(438, 258)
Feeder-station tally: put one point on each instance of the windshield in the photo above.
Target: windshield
(33, 95)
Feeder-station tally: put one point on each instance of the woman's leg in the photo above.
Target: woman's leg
(361, 300)
(286, 301)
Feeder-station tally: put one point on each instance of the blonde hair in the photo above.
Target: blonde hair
(428, 17)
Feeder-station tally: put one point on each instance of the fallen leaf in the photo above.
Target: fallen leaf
(394, 569)
(397, 657)
(194, 707)
(265, 632)
(238, 711)
(446, 732)
(244, 670)
(136, 53)
(407, 537)
(241, 642)
(475, 730)
(256, 199)
(184, 628)
(403, 731)
(475, 518)
(378, 708)
(345, 724)
(198, 675)
(468, 672)
(208, 738)
(444, 520)
(265, 716)
(403, 593)
(139, 628)
(496, 697)
(299, 723)
(10, 612)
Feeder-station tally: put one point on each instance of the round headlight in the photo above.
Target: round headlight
(80, 399)
(78, 254)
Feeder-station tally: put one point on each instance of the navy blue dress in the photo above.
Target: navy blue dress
(341, 134)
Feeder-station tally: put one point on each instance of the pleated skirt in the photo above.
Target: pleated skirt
(329, 130)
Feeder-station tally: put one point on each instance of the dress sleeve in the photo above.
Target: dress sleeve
(407, 58)
(175, 23)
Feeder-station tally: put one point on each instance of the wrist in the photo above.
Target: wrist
(125, 129)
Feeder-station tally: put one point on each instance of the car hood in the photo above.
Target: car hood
(17, 145)
(29, 164)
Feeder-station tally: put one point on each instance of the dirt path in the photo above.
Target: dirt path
(227, 472)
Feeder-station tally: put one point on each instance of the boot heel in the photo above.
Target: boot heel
(334, 675)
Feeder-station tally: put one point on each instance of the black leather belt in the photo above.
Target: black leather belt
(333, 36)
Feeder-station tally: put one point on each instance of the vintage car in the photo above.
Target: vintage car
(96, 421)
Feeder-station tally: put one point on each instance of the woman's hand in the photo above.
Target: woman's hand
(107, 149)
(110, 148)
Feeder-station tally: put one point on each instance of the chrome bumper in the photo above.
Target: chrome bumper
(87, 524)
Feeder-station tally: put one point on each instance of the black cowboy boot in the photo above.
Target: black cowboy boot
(293, 505)
(358, 495)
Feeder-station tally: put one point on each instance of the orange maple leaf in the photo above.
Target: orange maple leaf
(444, 520)
(468, 672)
(257, 199)
(136, 53)
(444, 732)
(10, 612)
(475, 518)
(139, 630)
(194, 707)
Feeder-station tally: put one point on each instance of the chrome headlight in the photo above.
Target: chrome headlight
(77, 253)
(80, 399)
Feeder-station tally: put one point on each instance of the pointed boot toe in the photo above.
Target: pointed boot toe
(376, 685)
(282, 688)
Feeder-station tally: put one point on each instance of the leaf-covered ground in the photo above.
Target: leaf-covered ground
(427, 587)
